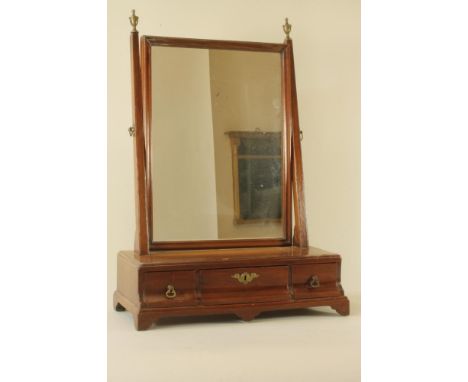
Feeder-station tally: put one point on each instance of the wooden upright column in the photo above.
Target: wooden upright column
(300, 222)
(141, 237)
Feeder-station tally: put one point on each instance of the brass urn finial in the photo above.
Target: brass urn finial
(133, 21)
(287, 28)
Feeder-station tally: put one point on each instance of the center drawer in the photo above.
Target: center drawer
(239, 285)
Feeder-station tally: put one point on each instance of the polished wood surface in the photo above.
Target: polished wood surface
(327, 275)
(293, 179)
(219, 285)
(214, 44)
(141, 239)
(199, 278)
(149, 41)
(204, 282)
(155, 285)
(300, 229)
(220, 257)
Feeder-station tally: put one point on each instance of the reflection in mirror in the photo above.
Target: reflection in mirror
(216, 144)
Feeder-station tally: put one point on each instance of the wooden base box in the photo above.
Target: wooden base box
(244, 282)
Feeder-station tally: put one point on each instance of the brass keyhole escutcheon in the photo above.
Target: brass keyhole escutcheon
(245, 278)
(314, 282)
(170, 292)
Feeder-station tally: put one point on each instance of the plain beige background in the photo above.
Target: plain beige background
(299, 346)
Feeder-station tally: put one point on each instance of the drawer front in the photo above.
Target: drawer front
(315, 280)
(169, 288)
(244, 285)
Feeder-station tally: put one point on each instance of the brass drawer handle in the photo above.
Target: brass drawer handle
(245, 277)
(170, 292)
(314, 282)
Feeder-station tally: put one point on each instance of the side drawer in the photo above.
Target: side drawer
(169, 288)
(316, 280)
(244, 285)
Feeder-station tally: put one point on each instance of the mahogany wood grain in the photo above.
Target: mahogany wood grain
(292, 176)
(202, 271)
(327, 275)
(341, 306)
(214, 44)
(141, 240)
(146, 43)
(218, 285)
(287, 153)
(145, 318)
(222, 258)
(218, 244)
(300, 228)
(155, 285)
(282, 283)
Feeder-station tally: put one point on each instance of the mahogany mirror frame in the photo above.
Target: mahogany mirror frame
(292, 177)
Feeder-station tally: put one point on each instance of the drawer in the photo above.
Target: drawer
(315, 280)
(157, 288)
(244, 285)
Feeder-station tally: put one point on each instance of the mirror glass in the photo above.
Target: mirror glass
(216, 144)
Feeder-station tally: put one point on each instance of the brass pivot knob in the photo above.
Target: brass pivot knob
(314, 282)
(170, 292)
